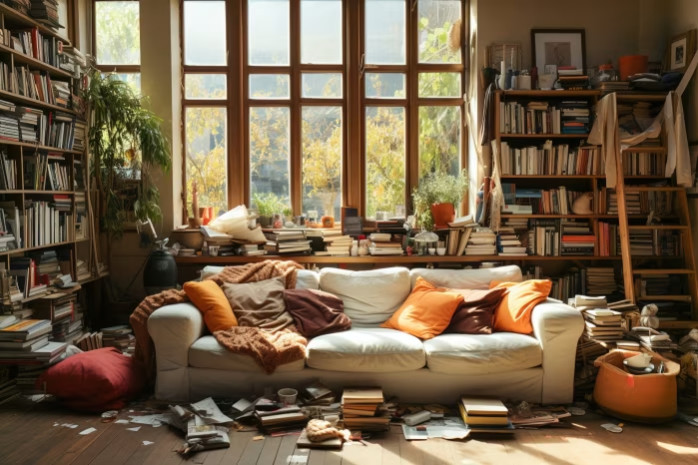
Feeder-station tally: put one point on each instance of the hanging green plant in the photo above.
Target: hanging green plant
(126, 143)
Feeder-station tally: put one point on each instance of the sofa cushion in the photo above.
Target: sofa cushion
(476, 314)
(514, 310)
(372, 350)
(260, 304)
(316, 312)
(476, 354)
(307, 279)
(209, 298)
(478, 278)
(94, 381)
(371, 296)
(206, 352)
(426, 312)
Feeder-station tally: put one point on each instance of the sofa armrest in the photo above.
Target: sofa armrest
(173, 329)
(558, 327)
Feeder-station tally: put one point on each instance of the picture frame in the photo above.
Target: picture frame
(507, 52)
(681, 49)
(559, 47)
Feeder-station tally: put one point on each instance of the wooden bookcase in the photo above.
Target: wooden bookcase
(49, 207)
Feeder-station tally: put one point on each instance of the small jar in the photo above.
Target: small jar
(606, 73)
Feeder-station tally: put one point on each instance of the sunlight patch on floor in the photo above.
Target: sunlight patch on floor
(678, 449)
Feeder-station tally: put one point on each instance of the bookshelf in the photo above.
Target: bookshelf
(45, 204)
(552, 182)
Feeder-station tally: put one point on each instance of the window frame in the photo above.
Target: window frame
(120, 68)
(353, 101)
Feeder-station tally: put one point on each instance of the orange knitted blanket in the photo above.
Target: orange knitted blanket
(268, 349)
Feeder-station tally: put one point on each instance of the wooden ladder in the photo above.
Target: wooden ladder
(687, 268)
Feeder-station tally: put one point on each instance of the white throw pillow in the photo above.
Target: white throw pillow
(370, 297)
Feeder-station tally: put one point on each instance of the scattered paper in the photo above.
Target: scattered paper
(209, 411)
(147, 443)
(69, 425)
(155, 419)
(88, 431)
(242, 405)
(121, 421)
(135, 428)
(422, 432)
(612, 428)
(297, 459)
(576, 411)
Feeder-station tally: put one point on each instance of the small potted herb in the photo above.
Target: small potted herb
(436, 197)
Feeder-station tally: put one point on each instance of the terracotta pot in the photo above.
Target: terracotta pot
(443, 213)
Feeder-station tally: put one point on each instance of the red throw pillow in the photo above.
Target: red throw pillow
(476, 314)
(316, 312)
(94, 381)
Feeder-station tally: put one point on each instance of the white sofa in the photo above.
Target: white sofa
(536, 368)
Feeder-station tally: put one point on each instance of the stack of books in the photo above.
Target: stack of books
(89, 341)
(603, 324)
(337, 245)
(360, 409)
(26, 342)
(286, 241)
(482, 241)
(601, 280)
(576, 238)
(280, 419)
(381, 244)
(8, 386)
(485, 415)
(574, 116)
(120, 336)
(508, 242)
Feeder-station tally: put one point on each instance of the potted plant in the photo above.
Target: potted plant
(436, 197)
(126, 143)
(267, 205)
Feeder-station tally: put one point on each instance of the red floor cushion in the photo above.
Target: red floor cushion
(93, 381)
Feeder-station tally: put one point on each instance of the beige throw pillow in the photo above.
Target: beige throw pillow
(259, 304)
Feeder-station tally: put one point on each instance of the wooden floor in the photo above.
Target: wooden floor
(33, 433)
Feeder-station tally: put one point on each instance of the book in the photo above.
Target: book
(362, 395)
(29, 345)
(25, 329)
(483, 406)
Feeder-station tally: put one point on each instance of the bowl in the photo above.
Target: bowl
(638, 370)
(441, 251)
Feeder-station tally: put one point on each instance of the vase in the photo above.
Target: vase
(442, 213)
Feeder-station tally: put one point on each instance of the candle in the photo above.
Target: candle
(512, 59)
(194, 201)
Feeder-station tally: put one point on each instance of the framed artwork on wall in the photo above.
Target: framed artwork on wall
(680, 51)
(559, 47)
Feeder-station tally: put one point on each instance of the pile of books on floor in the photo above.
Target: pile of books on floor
(273, 418)
(27, 342)
(8, 385)
(603, 324)
(121, 337)
(382, 244)
(90, 341)
(362, 409)
(485, 415)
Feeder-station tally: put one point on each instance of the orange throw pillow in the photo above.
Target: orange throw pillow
(212, 303)
(426, 312)
(514, 310)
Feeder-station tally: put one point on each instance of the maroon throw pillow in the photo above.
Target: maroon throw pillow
(94, 381)
(476, 314)
(316, 312)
